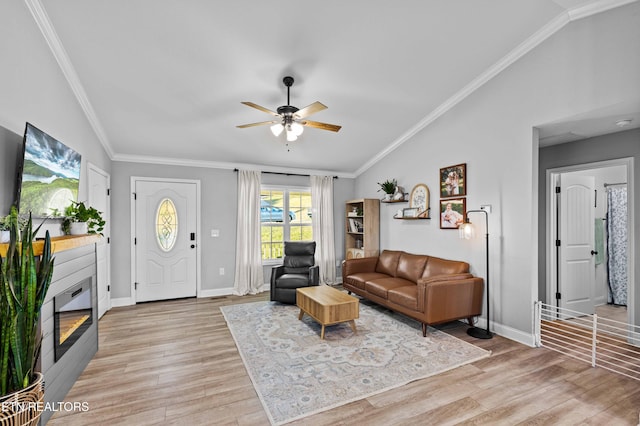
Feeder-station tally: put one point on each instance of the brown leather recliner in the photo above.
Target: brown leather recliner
(429, 289)
(298, 270)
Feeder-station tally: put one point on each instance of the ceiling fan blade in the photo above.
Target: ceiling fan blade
(261, 108)
(309, 109)
(323, 126)
(262, 123)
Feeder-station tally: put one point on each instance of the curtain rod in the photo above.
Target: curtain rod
(612, 184)
(285, 174)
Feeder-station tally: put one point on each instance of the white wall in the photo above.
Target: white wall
(491, 131)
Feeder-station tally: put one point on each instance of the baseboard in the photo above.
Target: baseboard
(227, 291)
(122, 301)
(510, 333)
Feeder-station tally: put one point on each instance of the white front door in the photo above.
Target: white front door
(576, 262)
(99, 182)
(165, 239)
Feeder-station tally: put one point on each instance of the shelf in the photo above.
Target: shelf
(58, 244)
(411, 218)
(394, 201)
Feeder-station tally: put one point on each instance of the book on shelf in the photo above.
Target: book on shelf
(355, 225)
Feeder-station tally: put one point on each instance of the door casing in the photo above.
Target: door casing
(551, 231)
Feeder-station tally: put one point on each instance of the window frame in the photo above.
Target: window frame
(286, 223)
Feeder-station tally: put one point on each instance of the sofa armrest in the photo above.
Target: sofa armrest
(314, 275)
(450, 299)
(276, 272)
(355, 266)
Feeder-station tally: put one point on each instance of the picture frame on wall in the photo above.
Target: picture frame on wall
(452, 212)
(453, 181)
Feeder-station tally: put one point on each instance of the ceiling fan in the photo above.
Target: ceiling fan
(291, 118)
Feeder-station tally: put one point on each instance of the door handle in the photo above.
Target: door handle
(593, 252)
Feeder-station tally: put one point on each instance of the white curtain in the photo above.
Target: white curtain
(249, 277)
(323, 230)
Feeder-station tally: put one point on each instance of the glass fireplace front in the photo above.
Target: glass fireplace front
(73, 315)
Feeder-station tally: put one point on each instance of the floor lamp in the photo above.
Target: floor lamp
(466, 232)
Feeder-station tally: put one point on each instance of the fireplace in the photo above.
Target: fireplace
(73, 315)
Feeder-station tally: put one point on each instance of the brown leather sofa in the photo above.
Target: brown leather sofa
(426, 288)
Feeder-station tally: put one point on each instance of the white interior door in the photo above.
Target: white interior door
(576, 262)
(165, 239)
(99, 183)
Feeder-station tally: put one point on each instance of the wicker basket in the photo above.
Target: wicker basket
(29, 402)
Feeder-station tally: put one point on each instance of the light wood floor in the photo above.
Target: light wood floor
(176, 363)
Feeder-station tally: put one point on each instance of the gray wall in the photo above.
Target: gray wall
(10, 158)
(219, 206)
(608, 147)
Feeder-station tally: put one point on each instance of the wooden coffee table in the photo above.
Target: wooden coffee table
(327, 306)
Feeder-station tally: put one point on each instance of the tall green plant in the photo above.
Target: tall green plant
(24, 281)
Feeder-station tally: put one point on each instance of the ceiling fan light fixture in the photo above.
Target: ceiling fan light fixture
(276, 129)
(297, 128)
(291, 136)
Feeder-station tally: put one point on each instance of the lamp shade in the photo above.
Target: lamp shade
(276, 129)
(297, 128)
(466, 230)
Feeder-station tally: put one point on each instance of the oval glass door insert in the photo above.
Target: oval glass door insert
(166, 225)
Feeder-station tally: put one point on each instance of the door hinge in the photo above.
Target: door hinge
(135, 285)
(558, 296)
(557, 189)
(135, 196)
(108, 191)
(108, 288)
(108, 240)
(135, 241)
(557, 243)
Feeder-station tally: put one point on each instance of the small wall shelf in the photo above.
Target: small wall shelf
(394, 201)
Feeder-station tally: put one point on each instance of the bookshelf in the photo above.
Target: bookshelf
(362, 228)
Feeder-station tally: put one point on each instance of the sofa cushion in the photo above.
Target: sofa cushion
(358, 279)
(437, 266)
(406, 296)
(411, 266)
(388, 262)
(381, 286)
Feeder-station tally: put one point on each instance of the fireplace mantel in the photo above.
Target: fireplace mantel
(58, 244)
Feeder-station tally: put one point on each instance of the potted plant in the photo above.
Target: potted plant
(80, 219)
(24, 281)
(388, 187)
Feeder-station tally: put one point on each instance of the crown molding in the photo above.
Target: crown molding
(60, 54)
(166, 161)
(596, 7)
(555, 25)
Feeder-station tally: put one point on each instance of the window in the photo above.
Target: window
(166, 225)
(285, 215)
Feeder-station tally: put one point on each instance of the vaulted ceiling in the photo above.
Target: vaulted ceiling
(163, 80)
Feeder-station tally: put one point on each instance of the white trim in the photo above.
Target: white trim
(60, 54)
(133, 181)
(550, 231)
(596, 7)
(122, 301)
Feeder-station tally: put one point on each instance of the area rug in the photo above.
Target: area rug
(297, 374)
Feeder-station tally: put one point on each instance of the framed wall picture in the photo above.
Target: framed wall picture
(453, 181)
(419, 198)
(410, 212)
(452, 212)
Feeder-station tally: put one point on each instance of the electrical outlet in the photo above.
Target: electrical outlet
(221, 271)
(486, 208)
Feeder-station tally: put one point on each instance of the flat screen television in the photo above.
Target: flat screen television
(49, 176)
